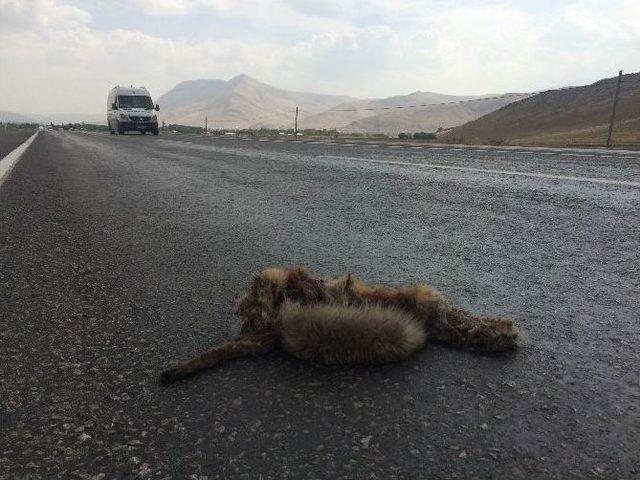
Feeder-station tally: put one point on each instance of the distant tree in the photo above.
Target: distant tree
(424, 136)
(403, 136)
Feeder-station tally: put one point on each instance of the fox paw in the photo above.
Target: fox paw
(171, 375)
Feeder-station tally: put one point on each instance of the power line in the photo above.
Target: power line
(421, 105)
(479, 99)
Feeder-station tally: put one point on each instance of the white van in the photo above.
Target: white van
(131, 109)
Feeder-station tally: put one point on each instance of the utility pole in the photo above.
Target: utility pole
(295, 129)
(613, 112)
(205, 125)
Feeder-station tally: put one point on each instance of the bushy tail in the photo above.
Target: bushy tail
(242, 346)
(461, 329)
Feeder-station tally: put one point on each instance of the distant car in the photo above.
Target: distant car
(131, 109)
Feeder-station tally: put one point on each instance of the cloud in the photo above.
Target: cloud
(62, 56)
(180, 7)
(20, 15)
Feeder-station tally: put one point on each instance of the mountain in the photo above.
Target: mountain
(244, 102)
(564, 117)
(13, 117)
(431, 118)
(241, 102)
(348, 114)
(56, 118)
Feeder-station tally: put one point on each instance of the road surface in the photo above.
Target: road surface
(10, 138)
(121, 255)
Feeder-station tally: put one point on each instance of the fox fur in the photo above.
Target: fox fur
(342, 320)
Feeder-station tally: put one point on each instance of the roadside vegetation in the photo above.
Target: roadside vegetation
(248, 132)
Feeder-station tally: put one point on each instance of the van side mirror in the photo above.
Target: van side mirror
(114, 106)
(157, 107)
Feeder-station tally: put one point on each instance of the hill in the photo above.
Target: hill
(347, 113)
(576, 116)
(430, 118)
(244, 102)
(241, 102)
(13, 117)
(56, 118)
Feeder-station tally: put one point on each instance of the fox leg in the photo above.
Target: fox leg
(459, 328)
(240, 347)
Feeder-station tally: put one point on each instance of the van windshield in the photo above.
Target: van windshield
(135, 101)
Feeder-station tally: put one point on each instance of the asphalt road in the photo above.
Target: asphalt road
(10, 138)
(122, 255)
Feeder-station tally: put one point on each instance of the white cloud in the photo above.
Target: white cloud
(17, 15)
(57, 56)
(180, 7)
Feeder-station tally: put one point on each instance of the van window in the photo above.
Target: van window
(135, 101)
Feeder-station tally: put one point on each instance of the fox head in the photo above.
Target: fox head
(259, 309)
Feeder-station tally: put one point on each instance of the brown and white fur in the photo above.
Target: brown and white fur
(339, 321)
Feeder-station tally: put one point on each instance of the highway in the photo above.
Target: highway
(10, 138)
(121, 255)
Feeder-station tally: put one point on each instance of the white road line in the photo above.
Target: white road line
(546, 153)
(606, 181)
(575, 155)
(9, 161)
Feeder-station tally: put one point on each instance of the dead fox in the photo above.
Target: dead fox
(339, 321)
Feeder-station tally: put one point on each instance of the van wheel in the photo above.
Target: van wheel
(120, 129)
(143, 132)
(154, 131)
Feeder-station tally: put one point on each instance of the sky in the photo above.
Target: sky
(63, 56)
